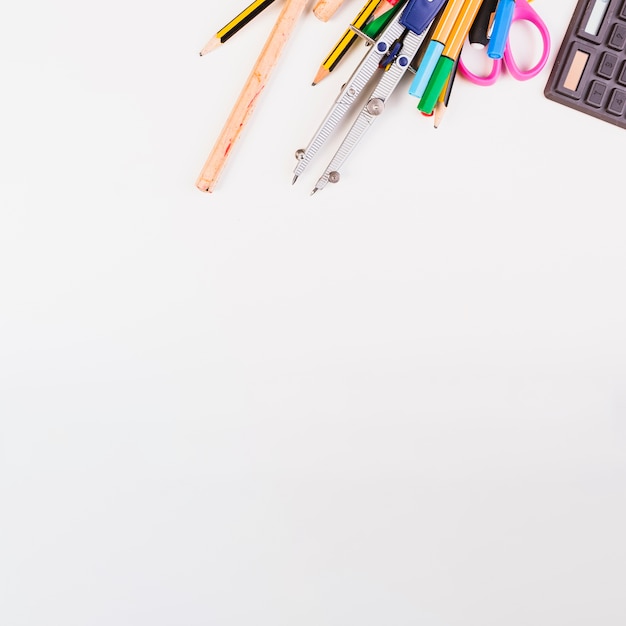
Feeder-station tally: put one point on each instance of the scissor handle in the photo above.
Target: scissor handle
(483, 81)
(525, 13)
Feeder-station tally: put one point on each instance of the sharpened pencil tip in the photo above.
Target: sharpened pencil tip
(295, 178)
(322, 73)
(314, 190)
(210, 45)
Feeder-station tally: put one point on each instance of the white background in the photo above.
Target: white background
(401, 401)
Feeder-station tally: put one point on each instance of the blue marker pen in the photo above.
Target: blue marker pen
(501, 26)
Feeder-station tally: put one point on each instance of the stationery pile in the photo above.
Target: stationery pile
(425, 37)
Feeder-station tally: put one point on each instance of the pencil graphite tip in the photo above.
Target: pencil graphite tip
(322, 73)
(295, 178)
(210, 45)
(314, 190)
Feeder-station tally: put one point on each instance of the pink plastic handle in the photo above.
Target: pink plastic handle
(483, 81)
(524, 12)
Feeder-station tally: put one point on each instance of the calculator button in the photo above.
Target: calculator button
(617, 39)
(622, 13)
(622, 76)
(617, 102)
(573, 79)
(596, 93)
(607, 66)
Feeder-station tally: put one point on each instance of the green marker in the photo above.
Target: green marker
(435, 85)
(380, 18)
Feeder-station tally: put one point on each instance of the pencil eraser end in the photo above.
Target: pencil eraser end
(324, 10)
(205, 185)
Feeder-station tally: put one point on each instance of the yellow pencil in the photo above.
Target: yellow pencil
(348, 38)
(236, 24)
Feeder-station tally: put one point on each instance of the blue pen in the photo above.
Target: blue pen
(501, 26)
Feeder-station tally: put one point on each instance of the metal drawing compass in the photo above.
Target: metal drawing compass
(391, 55)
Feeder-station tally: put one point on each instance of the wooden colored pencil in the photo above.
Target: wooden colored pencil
(250, 93)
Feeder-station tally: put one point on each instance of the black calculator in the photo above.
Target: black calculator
(589, 73)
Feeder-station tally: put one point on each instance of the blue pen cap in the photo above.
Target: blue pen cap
(501, 26)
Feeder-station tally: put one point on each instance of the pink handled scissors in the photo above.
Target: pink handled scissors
(522, 12)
